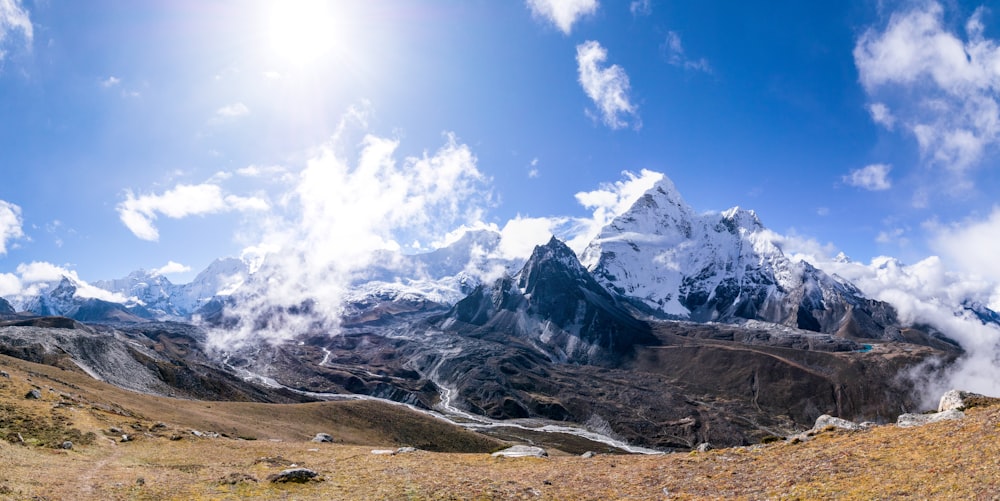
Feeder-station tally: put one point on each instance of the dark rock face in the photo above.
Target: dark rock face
(6, 308)
(554, 304)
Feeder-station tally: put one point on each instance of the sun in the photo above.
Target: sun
(301, 32)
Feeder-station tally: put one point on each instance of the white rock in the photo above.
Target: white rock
(521, 451)
(910, 420)
(827, 420)
(956, 399)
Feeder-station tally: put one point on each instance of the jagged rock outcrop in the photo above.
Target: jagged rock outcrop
(556, 306)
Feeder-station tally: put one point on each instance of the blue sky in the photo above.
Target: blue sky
(137, 134)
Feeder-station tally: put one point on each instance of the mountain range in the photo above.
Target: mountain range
(671, 328)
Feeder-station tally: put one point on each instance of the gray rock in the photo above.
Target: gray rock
(67, 445)
(114, 429)
(297, 475)
(406, 450)
(126, 438)
(956, 400)
(33, 395)
(910, 420)
(4, 374)
(521, 451)
(704, 447)
(322, 438)
(588, 454)
(384, 452)
(827, 420)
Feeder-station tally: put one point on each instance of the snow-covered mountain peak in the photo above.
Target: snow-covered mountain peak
(737, 219)
(673, 262)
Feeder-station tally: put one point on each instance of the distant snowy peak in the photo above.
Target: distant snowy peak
(444, 275)
(672, 262)
(166, 300)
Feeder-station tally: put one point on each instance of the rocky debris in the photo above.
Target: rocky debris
(205, 434)
(157, 427)
(323, 438)
(393, 452)
(67, 445)
(4, 374)
(127, 438)
(296, 475)
(704, 447)
(521, 451)
(588, 454)
(911, 420)
(33, 395)
(273, 461)
(237, 478)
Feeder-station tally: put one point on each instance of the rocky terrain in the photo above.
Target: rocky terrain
(672, 329)
(82, 439)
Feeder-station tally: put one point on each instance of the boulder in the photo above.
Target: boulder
(322, 438)
(910, 420)
(33, 395)
(521, 451)
(961, 400)
(296, 475)
(704, 447)
(843, 424)
(588, 454)
(406, 450)
(4, 374)
(67, 445)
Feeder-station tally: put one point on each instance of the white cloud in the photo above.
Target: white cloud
(562, 13)
(607, 87)
(37, 276)
(111, 81)
(171, 268)
(139, 213)
(10, 224)
(972, 245)
(675, 55)
(14, 18)
(928, 294)
(232, 111)
(340, 213)
(893, 236)
(874, 177)
(640, 8)
(944, 89)
(10, 285)
(882, 115)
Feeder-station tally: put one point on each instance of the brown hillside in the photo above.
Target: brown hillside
(954, 460)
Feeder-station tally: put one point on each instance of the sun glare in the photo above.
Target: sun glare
(301, 32)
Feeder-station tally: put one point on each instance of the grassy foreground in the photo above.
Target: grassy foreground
(957, 460)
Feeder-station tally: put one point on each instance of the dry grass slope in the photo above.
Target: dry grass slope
(954, 460)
